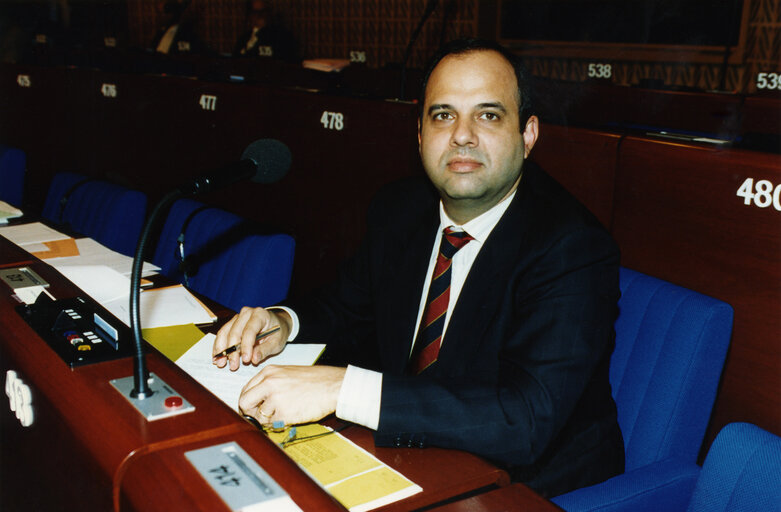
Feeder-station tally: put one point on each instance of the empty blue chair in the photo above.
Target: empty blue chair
(742, 472)
(13, 164)
(111, 214)
(670, 349)
(222, 256)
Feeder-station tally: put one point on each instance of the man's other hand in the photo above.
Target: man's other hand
(292, 394)
(243, 328)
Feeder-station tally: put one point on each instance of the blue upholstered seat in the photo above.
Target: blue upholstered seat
(742, 472)
(13, 164)
(670, 349)
(111, 214)
(228, 261)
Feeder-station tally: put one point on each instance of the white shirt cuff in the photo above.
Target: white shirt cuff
(293, 317)
(360, 396)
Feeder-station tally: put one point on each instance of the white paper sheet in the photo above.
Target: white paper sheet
(93, 253)
(100, 282)
(225, 384)
(32, 233)
(163, 307)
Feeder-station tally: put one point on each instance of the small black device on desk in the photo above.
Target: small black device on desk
(78, 329)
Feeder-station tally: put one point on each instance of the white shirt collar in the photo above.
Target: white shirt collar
(482, 225)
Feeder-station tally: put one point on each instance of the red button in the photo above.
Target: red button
(173, 402)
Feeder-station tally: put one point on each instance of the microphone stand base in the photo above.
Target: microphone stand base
(162, 403)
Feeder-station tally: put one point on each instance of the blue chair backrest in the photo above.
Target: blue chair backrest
(742, 472)
(229, 261)
(671, 343)
(111, 214)
(13, 164)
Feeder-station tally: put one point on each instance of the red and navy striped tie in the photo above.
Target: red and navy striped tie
(431, 325)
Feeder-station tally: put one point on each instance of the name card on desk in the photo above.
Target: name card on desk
(239, 481)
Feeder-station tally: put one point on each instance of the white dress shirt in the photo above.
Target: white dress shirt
(361, 392)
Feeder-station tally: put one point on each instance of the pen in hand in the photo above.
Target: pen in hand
(237, 346)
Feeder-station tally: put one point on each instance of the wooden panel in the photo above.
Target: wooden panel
(595, 104)
(584, 161)
(83, 429)
(677, 217)
(505, 499)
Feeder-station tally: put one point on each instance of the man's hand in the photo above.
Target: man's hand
(292, 394)
(243, 328)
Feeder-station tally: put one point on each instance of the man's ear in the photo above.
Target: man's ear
(530, 134)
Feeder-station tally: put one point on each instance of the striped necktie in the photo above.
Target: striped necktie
(431, 325)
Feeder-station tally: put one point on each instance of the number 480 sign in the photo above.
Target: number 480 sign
(762, 193)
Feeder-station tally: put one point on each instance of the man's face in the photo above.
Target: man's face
(469, 135)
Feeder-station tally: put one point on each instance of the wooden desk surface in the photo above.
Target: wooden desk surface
(512, 498)
(441, 473)
(89, 446)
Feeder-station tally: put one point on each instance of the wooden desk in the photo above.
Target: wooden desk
(441, 473)
(88, 445)
(85, 435)
(512, 498)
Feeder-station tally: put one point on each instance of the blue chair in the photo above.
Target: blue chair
(742, 472)
(13, 164)
(670, 349)
(111, 214)
(222, 256)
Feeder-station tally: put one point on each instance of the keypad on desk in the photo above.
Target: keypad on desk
(82, 340)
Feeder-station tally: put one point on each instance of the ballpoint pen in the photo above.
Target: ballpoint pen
(235, 347)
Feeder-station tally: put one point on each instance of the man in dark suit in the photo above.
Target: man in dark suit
(176, 34)
(265, 37)
(516, 369)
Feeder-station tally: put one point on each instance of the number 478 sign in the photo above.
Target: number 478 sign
(332, 120)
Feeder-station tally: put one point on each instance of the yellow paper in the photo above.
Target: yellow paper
(371, 486)
(58, 249)
(353, 476)
(173, 341)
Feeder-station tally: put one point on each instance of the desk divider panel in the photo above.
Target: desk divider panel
(679, 216)
(584, 162)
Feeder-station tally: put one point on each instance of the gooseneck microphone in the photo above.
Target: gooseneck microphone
(264, 161)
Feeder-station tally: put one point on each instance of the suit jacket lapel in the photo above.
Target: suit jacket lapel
(404, 298)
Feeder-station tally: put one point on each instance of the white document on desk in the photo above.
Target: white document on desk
(32, 234)
(100, 282)
(163, 307)
(93, 253)
(225, 384)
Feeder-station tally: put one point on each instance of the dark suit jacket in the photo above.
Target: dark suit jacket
(522, 375)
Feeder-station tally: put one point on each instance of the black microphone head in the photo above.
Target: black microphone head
(271, 157)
